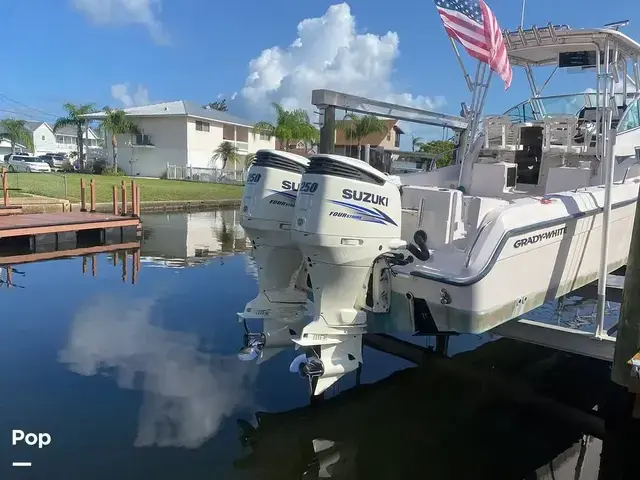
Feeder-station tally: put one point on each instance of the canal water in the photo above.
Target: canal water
(140, 379)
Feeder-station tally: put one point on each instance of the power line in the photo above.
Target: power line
(23, 114)
(28, 107)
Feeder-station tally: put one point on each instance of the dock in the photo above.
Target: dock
(43, 233)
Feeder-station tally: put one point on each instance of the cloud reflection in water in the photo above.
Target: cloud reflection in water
(187, 392)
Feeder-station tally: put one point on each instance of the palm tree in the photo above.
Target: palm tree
(221, 105)
(117, 123)
(416, 143)
(356, 128)
(226, 151)
(290, 125)
(74, 119)
(14, 131)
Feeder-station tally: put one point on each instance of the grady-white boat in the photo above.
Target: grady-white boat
(516, 222)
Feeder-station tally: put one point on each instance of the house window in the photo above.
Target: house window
(202, 126)
(142, 139)
(264, 136)
(59, 139)
(42, 137)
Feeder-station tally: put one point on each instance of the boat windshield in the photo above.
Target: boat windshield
(536, 108)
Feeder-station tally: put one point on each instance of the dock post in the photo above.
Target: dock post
(123, 192)
(622, 408)
(138, 199)
(134, 203)
(134, 270)
(83, 196)
(5, 187)
(125, 259)
(84, 264)
(94, 266)
(115, 200)
(92, 195)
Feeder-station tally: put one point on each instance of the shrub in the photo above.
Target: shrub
(99, 166)
(114, 172)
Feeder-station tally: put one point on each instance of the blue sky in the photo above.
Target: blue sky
(137, 51)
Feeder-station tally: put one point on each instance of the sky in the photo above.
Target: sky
(131, 52)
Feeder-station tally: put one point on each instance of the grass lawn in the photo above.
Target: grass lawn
(53, 185)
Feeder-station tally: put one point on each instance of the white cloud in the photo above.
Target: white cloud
(329, 53)
(188, 391)
(121, 12)
(121, 93)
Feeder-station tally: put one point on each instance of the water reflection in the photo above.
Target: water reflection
(178, 240)
(188, 390)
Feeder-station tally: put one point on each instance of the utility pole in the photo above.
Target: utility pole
(524, 4)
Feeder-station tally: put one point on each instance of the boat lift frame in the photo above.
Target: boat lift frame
(327, 101)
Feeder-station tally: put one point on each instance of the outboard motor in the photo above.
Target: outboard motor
(267, 211)
(347, 218)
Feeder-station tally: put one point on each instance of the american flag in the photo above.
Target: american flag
(473, 24)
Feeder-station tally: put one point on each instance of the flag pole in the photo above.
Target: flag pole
(524, 3)
(467, 78)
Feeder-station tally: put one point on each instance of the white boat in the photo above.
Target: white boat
(517, 222)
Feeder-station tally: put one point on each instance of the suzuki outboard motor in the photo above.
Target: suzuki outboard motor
(267, 211)
(347, 217)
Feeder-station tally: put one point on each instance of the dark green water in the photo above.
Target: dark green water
(141, 381)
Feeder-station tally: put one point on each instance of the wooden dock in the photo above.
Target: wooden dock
(44, 233)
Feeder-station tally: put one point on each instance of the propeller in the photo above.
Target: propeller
(253, 345)
(311, 368)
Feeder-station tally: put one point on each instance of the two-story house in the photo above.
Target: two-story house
(181, 133)
(389, 139)
(65, 140)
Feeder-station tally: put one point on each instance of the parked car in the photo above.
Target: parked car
(54, 161)
(27, 163)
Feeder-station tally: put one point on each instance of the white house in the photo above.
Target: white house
(63, 141)
(181, 133)
(5, 148)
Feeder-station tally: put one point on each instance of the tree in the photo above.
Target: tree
(442, 150)
(74, 119)
(14, 131)
(117, 123)
(290, 125)
(220, 106)
(226, 151)
(416, 143)
(358, 127)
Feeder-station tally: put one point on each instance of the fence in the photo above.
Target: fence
(214, 175)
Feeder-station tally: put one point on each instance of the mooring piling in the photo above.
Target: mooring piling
(83, 195)
(92, 194)
(5, 187)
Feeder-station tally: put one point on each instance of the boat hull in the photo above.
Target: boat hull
(527, 269)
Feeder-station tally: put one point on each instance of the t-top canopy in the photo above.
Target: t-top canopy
(541, 46)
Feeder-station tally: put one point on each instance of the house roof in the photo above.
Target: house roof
(180, 107)
(372, 139)
(31, 125)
